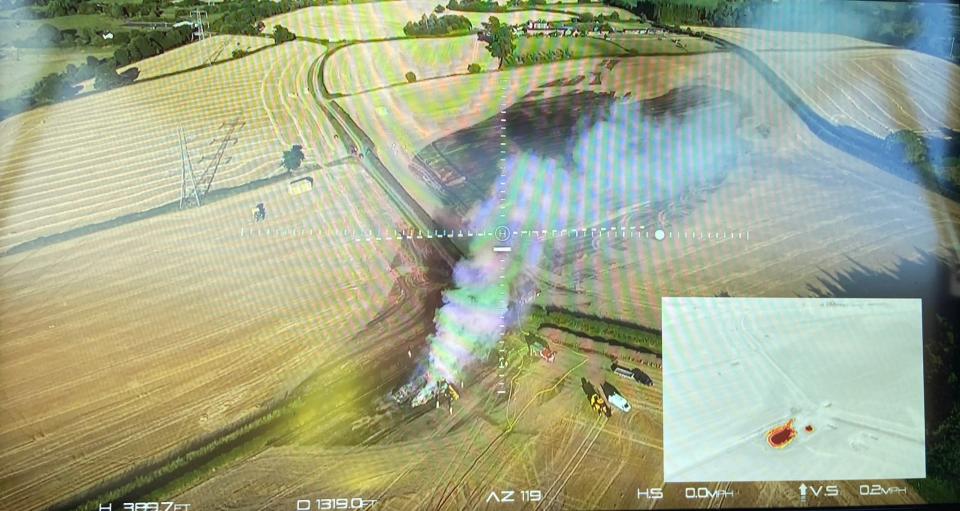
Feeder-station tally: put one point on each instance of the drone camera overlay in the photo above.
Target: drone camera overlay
(405, 255)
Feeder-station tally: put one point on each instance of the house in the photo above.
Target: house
(538, 25)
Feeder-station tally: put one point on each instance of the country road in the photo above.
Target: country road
(353, 136)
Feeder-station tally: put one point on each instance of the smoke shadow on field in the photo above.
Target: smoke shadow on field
(934, 280)
(462, 167)
(398, 332)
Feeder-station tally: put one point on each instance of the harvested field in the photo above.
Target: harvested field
(378, 20)
(553, 433)
(372, 20)
(366, 66)
(763, 40)
(176, 326)
(543, 436)
(875, 88)
(459, 102)
(840, 213)
(215, 48)
(58, 173)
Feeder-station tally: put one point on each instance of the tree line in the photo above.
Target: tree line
(437, 25)
(55, 8)
(150, 43)
(490, 6)
(244, 16)
(594, 327)
(936, 159)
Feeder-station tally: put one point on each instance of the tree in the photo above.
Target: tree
(438, 9)
(282, 35)
(499, 39)
(293, 158)
(410, 76)
(54, 87)
(107, 78)
(91, 36)
(118, 11)
(144, 47)
(121, 56)
(48, 34)
(912, 148)
(172, 39)
(156, 39)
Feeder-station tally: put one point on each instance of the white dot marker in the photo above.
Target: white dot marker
(659, 234)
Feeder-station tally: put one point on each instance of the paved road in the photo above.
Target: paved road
(352, 135)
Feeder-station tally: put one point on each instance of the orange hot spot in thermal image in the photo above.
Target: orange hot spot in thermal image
(780, 436)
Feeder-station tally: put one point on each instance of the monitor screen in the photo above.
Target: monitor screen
(306, 255)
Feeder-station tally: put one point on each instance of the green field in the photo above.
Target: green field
(620, 25)
(649, 45)
(12, 30)
(16, 76)
(696, 3)
(577, 46)
(616, 45)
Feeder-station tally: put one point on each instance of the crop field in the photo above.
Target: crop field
(652, 45)
(75, 180)
(402, 120)
(212, 49)
(577, 46)
(218, 333)
(596, 10)
(367, 66)
(876, 91)
(378, 20)
(612, 280)
(543, 436)
(875, 88)
(373, 20)
(551, 426)
(768, 40)
(125, 344)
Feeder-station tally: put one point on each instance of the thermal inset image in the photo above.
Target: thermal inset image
(792, 389)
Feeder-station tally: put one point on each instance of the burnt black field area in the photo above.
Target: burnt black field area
(462, 166)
